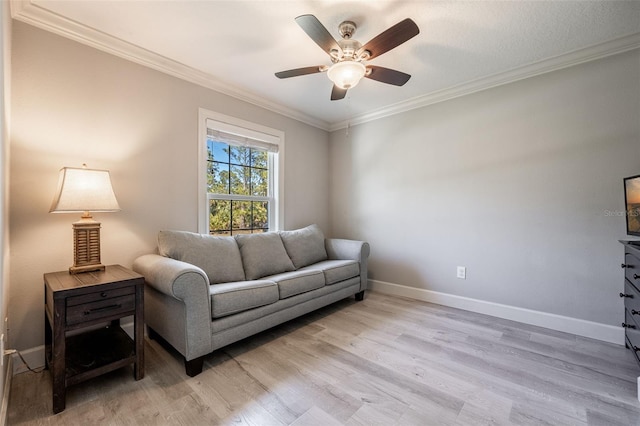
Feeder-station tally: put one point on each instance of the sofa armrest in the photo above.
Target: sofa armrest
(172, 277)
(350, 249)
(180, 308)
(346, 249)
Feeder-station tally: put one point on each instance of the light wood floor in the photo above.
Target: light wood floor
(385, 361)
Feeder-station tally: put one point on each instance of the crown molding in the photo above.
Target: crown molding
(579, 56)
(32, 14)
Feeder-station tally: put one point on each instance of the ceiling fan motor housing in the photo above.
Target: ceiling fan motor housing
(347, 28)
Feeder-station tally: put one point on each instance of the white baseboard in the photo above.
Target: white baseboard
(593, 330)
(128, 328)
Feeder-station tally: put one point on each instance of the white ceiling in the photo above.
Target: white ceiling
(237, 46)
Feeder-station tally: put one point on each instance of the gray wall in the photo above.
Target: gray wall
(513, 182)
(73, 104)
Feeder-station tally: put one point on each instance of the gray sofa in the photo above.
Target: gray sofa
(204, 292)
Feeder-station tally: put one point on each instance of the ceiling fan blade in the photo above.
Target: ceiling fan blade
(318, 33)
(387, 75)
(300, 71)
(393, 37)
(338, 93)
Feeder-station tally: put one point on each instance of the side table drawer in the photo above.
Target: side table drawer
(99, 295)
(101, 308)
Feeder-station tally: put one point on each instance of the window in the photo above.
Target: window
(240, 176)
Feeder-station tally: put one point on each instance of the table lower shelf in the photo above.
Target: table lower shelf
(96, 352)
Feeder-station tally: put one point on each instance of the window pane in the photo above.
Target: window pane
(211, 171)
(210, 143)
(240, 180)
(259, 158)
(260, 216)
(240, 155)
(218, 151)
(259, 182)
(218, 178)
(220, 217)
(241, 211)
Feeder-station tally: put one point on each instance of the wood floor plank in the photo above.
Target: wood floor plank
(316, 416)
(518, 375)
(383, 361)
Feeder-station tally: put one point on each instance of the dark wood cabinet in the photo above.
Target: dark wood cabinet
(83, 337)
(631, 296)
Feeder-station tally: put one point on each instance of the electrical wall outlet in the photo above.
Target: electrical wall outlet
(461, 272)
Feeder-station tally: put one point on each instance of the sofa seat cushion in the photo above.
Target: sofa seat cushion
(229, 298)
(218, 257)
(335, 270)
(296, 282)
(263, 254)
(304, 246)
(297, 303)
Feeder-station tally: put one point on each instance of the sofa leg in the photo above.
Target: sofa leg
(360, 295)
(194, 366)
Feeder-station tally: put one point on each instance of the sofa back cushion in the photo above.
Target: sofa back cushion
(304, 246)
(263, 254)
(218, 257)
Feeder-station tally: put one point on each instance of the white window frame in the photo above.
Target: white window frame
(247, 129)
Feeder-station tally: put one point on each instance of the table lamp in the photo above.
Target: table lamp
(83, 190)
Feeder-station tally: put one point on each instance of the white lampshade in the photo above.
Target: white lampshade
(346, 74)
(84, 190)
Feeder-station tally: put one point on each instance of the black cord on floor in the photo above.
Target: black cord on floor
(39, 370)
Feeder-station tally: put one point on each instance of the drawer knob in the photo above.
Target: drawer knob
(634, 312)
(636, 276)
(103, 294)
(624, 265)
(625, 325)
(635, 348)
(626, 295)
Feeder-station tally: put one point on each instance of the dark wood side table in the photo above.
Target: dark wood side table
(94, 301)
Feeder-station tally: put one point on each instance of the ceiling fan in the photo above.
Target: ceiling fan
(349, 56)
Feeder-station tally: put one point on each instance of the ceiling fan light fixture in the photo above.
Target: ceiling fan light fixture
(346, 74)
